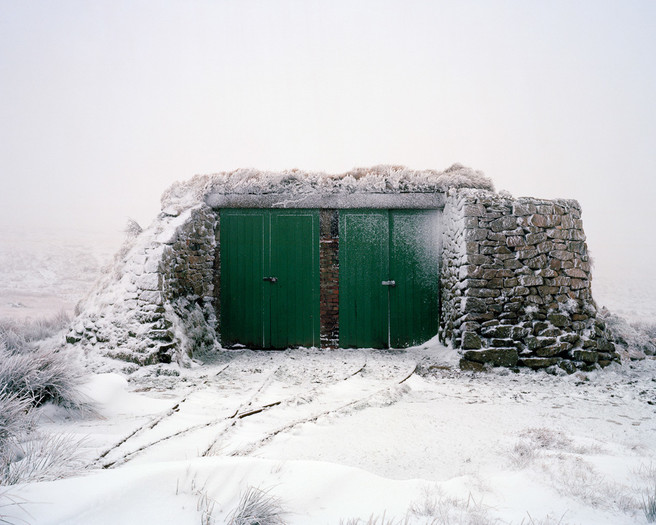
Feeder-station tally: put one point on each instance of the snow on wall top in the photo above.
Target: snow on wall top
(377, 179)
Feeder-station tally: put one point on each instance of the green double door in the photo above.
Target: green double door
(269, 278)
(389, 277)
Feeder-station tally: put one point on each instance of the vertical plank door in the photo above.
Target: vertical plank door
(363, 265)
(294, 262)
(414, 266)
(269, 278)
(243, 235)
(389, 277)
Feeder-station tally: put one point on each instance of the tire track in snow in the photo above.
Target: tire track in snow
(269, 435)
(149, 425)
(244, 410)
(212, 449)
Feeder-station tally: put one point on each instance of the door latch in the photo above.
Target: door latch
(272, 279)
(389, 283)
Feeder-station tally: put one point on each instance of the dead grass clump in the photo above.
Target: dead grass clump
(257, 506)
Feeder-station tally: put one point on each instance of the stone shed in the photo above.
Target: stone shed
(384, 257)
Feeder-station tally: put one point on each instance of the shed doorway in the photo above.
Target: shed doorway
(269, 288)
(389, 277)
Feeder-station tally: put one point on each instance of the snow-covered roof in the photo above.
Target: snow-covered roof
(384, 179)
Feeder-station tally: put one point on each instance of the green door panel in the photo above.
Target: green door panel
(414, 267)
(385, 246)
(242, 270)
(269, 278)
(363, 265)
(295, 264)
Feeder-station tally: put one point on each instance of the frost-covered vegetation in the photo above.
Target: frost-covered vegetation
(382, 179)
(34, 372)
(40, 373)
(257, 506)
(636, 339)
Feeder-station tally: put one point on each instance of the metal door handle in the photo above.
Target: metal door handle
(389, 283)
(272, 279)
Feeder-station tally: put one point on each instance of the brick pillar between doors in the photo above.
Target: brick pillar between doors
(329, 278)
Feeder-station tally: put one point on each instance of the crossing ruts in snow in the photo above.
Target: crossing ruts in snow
(389, 385)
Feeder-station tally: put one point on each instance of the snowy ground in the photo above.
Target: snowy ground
(345, 434)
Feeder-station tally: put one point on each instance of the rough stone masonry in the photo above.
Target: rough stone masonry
(515, 284)
(515, 273)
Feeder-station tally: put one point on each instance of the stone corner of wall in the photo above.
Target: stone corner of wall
(516, 286)
(166, 310)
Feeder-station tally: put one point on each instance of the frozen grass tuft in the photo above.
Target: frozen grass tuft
(14, 419)
(547, 520)
(257, 507)
(541, 442)
(647, 474)
(41, 458)
(204, 504)
(377, 520)
(33, 372)
(649, 504)
(8, 499)
(16, 333)
(523, 454)
(438, 509)
(41, 375)
(36, 371)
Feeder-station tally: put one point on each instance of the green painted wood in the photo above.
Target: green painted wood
(242, 236)
(363, 265)
(388, 245)
(280, 244)
(414, 250)
(294, 250)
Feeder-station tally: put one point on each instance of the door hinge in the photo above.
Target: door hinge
(271, 279)
(389, 283)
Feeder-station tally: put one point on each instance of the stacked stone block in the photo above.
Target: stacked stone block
(156, 303)
(188, 278)
(516, 284)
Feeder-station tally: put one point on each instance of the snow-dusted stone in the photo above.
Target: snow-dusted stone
(514, 284)
(530, 267)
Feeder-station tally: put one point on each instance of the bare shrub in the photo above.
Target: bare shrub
(257, 506)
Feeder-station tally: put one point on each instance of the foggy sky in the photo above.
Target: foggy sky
(104, 104)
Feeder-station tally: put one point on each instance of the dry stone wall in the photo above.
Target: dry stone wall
(188, 280)
(516, 284)
(155, 304)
